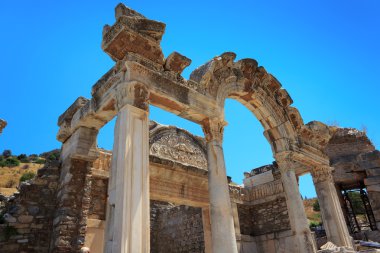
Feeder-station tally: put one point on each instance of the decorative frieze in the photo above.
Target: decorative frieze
(178, 147)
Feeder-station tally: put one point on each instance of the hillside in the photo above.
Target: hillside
(10, 176)
(314, 217)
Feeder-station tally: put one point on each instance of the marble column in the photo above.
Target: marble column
(304, 242)
(222, 222)
(128, 229)
(332, 215)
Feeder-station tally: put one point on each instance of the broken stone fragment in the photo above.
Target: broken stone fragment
(177, 62)
(122, 10)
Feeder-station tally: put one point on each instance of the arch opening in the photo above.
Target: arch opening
(245, 147)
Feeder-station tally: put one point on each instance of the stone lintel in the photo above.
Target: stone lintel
(68, 114)
(81, 145)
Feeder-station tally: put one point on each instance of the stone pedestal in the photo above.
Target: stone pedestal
(297, 217)
(331, 210)
(222, 222)
(128, 229)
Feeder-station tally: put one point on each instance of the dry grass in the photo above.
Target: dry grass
(10, 177)
(312, 215)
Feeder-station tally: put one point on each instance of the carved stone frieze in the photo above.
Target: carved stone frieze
(177, 145)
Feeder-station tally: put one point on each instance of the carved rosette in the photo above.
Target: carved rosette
(213, 129)
(322, 174)
(133, 93)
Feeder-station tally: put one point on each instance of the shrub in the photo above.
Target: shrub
(33, 157)
(23, 158)
(27, 176)
(316, 206)
(10, 183)
(40, 161)
(10, 162)
(314, 224)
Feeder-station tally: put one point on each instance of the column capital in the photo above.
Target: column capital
(132, 93)
(213, 129)
(286, 161)
(322, 173)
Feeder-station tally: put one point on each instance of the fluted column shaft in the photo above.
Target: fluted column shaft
(331, 210)
(296, 210)
(222, 222)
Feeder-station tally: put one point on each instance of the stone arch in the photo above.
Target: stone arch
(257, 90)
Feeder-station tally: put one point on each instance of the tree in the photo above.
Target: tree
(316, 206)
(27, 176)
(10, 162)
(7, 153)
(23, 158)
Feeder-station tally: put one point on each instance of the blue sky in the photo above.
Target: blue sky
(325, 53)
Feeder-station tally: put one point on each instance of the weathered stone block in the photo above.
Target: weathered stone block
(176, 62)
(25, 218)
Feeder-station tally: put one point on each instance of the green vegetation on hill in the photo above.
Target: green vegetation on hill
(15, 169)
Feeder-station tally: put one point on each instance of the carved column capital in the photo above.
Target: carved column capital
(132, 93)
(286, 161)
(213, 129)
(322, 173)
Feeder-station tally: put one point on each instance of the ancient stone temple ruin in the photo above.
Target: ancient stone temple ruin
(162, 189)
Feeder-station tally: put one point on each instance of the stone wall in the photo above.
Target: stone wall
(98, 202)
(28, 215)
(268, 217)
(176, 229)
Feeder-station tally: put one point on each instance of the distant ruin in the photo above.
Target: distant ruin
(164, 190)
(3, 124)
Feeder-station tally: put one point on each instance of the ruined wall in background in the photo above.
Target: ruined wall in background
(176, 229)
(269, 217)
(29, 214)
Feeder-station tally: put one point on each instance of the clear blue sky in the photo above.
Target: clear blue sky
(325, 53)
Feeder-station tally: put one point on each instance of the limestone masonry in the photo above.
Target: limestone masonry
(163, 190)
